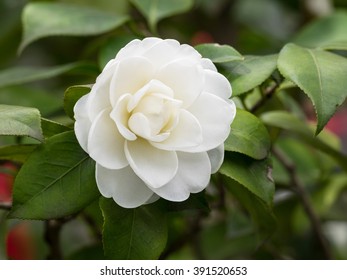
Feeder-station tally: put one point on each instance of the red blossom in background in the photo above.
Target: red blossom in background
(6, 182)
(19, 242)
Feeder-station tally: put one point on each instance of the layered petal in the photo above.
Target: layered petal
(215, 123)
(126, 189)
(100, 95)
(208, 64)
(186, 134)
(83, 123)
(155, 167)
(105, 143)
(185, 78)
(188, 52)
(216, 158)
(193, 175)
(217, 84)
(130, 75)
(130, 49)
(120, 115)
(162, 52)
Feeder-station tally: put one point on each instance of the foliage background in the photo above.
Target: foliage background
(226, 222)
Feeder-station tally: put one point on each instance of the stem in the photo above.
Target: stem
(299, 189)
(6, 206)
(268, 93)
(94, 227)
(52, 234)
(52, 237)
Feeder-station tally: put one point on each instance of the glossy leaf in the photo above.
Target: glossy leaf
(249, 73)
(139, 233)
(155, 10)
(56, 181)
(248, 136)
(287, 121)
(20, 121)
(42, 19)
(298, 128)
(50, 128)
(254, 175)
(72, 94)
(262, 214)
(25, 74)
(218, 53)
(320, 74)
(327, 33)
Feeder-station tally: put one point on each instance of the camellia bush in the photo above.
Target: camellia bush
(173, 129)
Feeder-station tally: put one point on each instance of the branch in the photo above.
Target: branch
(52, 236)
(268, 93)
(5, 206)
(299, 189)
(94, 227)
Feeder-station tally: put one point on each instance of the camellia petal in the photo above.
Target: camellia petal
(83, 123)
(208, 64)
(162, 52)
(185, 135)
(130, 75)
(185, 78)
(217, 84)
(192, 176)
(99, 96)
(105, 143)
(155, 167)
(215, 123)
(120, 115)
(126, 189)
(216, 158)
(133, 48)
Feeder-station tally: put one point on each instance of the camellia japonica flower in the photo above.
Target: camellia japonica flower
(155, 122)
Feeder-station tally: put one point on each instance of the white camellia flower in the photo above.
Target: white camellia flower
(155, 122)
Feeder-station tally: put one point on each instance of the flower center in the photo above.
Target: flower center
(150, 113)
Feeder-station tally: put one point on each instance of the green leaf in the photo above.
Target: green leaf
(57, 180)
(155, 10)
(196, 201)
(249, 73)
(139, 233)
(44, 19)
(298, 128)
(219, 53)
(72, 94)
(287, 121)
(262, 214)
(47, 102)
(51, 128)
(17, 153)
(254, 175)
(112, 47)
(326, 33)
(248, 136)
(22, 74)
(320, 74)
(20, 121)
